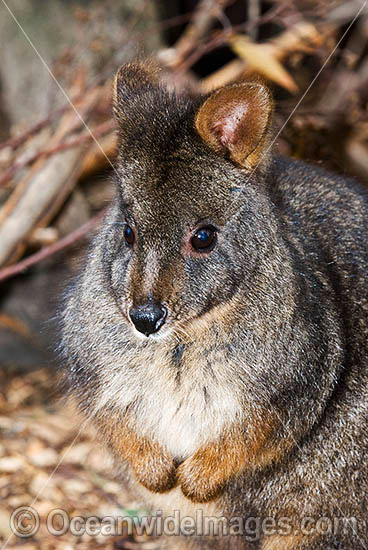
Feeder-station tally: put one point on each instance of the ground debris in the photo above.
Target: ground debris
(35, 433)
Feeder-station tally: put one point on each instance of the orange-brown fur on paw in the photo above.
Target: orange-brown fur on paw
(153, 466)
(202, 476)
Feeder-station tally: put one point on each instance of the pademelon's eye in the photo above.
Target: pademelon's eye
(204, 239)
(129, 235)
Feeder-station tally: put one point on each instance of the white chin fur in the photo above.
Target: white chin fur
(162, 334)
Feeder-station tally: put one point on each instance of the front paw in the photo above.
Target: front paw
(154, 469)
(200, 481)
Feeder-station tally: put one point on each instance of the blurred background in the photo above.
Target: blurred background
(57, 144)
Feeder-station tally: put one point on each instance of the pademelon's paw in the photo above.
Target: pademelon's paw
(204, 475)
(154, 468)
(199, 478)
(152, 465)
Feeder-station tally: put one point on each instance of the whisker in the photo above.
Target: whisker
(185, 333)
(177, 335)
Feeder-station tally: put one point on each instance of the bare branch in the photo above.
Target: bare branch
(48, 251)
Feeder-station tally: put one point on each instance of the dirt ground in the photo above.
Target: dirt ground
(38, 435)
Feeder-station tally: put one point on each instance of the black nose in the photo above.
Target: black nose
(148, 318)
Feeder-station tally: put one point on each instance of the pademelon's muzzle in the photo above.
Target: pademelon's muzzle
(148, 318)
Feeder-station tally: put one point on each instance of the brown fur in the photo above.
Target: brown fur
(203, 476)
(252, 397)
(152, 465)
(249, 107)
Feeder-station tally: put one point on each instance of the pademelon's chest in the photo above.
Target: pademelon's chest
(181, 404)
(187, 416)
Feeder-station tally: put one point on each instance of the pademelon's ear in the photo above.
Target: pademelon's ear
(236, 120)
(130, 80)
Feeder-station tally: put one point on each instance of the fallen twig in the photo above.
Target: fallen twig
(206, 12)
(36, 199)
(17, 141)
(200, 23)
(98, 131)
(48, 251)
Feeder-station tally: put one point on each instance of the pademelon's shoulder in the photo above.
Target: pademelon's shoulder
(307, 192)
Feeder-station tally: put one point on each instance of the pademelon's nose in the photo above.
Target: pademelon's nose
(148, 318)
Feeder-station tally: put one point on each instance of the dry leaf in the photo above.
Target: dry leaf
(10, 464)
(5, 530)
(262, 59)
(44, 458)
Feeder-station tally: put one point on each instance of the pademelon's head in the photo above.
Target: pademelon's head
(192, 220)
